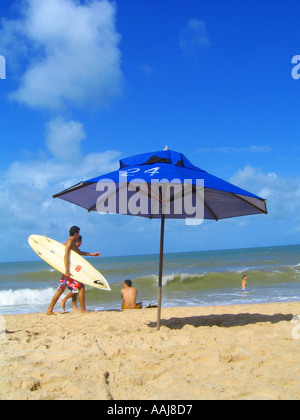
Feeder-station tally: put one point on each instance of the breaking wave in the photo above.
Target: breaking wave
(26, 297)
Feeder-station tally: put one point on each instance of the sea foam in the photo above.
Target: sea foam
(26, 296)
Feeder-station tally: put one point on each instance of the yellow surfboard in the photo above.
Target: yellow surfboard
(81, 270)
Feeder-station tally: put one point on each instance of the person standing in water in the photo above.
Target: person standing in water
(244, 284)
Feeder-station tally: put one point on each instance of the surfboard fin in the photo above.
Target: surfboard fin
(99, 282)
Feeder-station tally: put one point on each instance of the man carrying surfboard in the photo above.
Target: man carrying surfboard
(66, 280)
(73, 294)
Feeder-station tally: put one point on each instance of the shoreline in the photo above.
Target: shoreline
(90, 309)
(248, 351)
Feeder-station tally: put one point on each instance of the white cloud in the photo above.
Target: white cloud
(282, 194)
(27, 186)
(26, 190)
(193, 37)
(72, 53)
(63, 138)
(42, 174)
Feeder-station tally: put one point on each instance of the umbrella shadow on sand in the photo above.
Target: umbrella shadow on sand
(225, 320)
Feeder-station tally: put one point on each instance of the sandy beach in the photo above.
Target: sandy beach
(220, 352)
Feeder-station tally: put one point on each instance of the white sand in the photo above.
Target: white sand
(228, 352)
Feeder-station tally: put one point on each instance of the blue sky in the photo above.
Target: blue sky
(90, 82)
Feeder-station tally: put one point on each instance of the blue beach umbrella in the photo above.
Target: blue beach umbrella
(163, 184)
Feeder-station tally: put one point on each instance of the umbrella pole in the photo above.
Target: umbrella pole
(161, 258)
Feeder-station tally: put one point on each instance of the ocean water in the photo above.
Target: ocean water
(190, 279)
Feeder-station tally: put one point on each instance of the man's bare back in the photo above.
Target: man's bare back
(129, 294)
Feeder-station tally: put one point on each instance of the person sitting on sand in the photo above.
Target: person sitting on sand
(244, 284)
(128, 295)
(66, 280)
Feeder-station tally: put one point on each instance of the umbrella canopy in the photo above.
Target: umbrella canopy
(163, 184)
